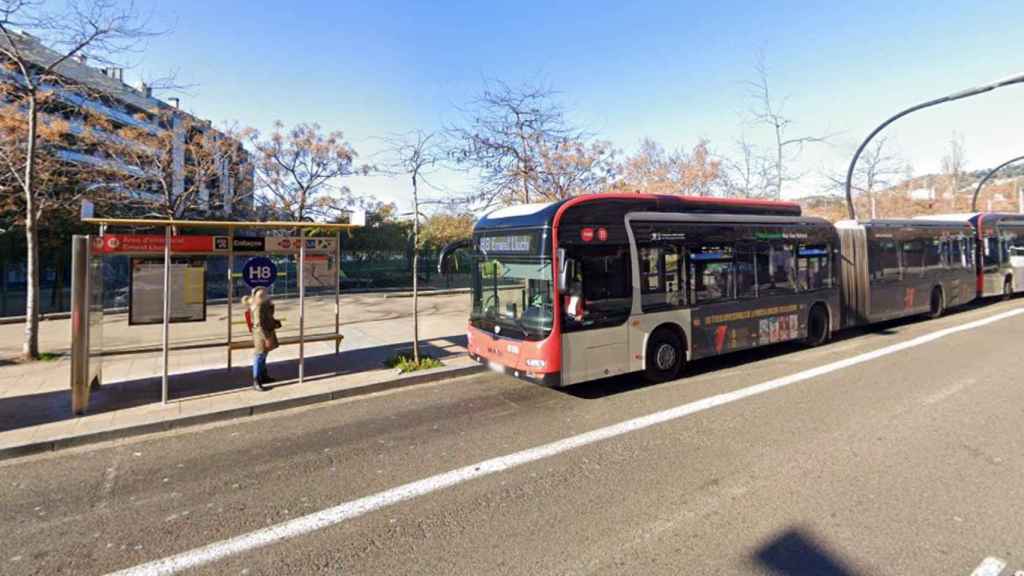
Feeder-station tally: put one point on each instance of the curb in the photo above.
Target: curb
(403, 381)
(443, 292)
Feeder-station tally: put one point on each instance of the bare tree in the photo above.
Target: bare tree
(103, 28)
(507, 131)
(877, 169)
(747, 174)
(770, 113)
(414, 155)
(954, 167)
(299, 171)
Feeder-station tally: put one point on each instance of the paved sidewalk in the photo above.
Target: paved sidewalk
(35, 403)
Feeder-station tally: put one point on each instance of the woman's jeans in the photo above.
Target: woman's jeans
(259, 366)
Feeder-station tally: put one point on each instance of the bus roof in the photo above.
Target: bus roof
(611, 207)
(973, 217)
(905, 223)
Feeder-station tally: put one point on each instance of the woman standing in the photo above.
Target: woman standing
(264, 334)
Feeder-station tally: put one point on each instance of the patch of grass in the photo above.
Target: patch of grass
(50, 356)
(405, 363)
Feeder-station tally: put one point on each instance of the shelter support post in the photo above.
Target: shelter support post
(167, 311)
(337, 296)
(79, 323)
(231, 288)
(302, 304)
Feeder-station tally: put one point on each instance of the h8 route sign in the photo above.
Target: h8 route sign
(259, 271)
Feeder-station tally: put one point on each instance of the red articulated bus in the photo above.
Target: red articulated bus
(606, 284)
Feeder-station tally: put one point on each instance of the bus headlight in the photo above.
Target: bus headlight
(536, 363)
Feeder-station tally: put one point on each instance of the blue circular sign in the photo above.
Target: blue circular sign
(259, 271)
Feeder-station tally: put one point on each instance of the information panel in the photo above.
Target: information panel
(320, 271)
(188, 291)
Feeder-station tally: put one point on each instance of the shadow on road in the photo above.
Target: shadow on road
(797, 553)
(55, 406)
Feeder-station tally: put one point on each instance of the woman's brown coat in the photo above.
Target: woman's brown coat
(264, 325)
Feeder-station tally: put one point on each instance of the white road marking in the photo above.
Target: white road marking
(990, 566)
(356, 508)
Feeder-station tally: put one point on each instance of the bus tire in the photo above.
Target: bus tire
(1008, 288)
(937, 303)
(665, 356)
(817, 326)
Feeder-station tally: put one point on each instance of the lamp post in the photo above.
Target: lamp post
(955, 96)
(991, 173)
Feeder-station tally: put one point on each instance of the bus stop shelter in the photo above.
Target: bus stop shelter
(88, 290)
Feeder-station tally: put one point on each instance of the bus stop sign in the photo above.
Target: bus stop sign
(259, 271)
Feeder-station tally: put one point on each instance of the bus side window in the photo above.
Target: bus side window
(885, 260)
(913, 256)
(933, 249)
(813, 267)
(673, 262)
(955, 258)
(711, 273)
(604, 272)
(746, 278)
(660, 277)
(776, 268)
(991, 251)
(650, 270)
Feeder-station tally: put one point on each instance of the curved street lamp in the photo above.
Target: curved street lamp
(955, 96)
(991, 173)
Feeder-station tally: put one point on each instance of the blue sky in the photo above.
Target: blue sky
(673, 71)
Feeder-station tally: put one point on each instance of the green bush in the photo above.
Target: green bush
(405, 363)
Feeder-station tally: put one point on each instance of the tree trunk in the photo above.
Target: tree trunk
(415, 273)
(30, 348)
(525, 175)
(778, 165)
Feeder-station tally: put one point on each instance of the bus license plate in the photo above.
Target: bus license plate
(495, 367)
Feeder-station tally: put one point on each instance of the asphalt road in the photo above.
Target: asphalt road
(909, 463)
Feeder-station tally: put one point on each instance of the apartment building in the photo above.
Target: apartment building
(102, 91)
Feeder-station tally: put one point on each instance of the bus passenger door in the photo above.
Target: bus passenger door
(595, 343)
(888, 294)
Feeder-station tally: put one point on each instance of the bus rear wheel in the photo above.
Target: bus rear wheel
(817, 326)
(1008, 288)
(938, 303)
(665, 356)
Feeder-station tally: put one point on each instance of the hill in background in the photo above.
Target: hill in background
(928, 194)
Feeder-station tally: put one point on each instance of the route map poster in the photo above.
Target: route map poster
(188, 291)
(320, 271)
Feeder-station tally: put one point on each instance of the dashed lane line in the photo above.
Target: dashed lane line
(990, 566)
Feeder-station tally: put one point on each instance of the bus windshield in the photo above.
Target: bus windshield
(513, 295)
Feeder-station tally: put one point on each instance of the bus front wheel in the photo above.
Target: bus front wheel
(665, 356)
